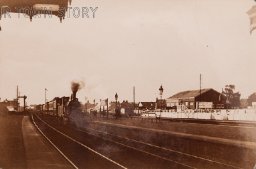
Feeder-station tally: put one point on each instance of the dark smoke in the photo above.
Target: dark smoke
(75, 86)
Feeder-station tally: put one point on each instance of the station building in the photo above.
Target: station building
(9, 106)
(147, 105)
(197, 99)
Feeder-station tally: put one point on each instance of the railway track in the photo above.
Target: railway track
(162, 152)
(69, 148)
(119, 152)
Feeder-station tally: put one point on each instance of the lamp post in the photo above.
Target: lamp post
(85, 104)
(45, 99)
(116, 97)
(25, 97)
(161, 90)
(107, 107)
(100, 107)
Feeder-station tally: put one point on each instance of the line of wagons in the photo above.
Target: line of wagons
(61, 107)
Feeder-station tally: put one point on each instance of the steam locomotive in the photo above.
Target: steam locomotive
(66, 109)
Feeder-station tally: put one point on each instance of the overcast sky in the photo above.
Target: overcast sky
(142, 43)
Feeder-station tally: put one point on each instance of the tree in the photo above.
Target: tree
(233, 98)
(251, 98)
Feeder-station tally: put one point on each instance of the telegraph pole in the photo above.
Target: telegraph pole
(17, 98)
(134, 97)
(200, 91)
(107, 107)
(200, 86)
(17, 92)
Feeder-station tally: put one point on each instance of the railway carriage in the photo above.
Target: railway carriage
(67, 109)
(62, 107)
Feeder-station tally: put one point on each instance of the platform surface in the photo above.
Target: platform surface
(22, 146)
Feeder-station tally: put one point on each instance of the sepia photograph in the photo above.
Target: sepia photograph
(118, 84)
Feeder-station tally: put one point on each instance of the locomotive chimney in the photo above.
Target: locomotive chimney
(74, 96)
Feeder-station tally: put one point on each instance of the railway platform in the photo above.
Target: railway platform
(39, 152)
(23, 147)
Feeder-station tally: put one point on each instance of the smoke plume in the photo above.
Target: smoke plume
(75, 86)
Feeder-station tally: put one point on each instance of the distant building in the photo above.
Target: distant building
(112, 106)
(88, 107)
(244, 103)
(147, 105)
(254, 105)
(9, 106)
(194, 99)
(160, 104)
(127, 108)
(252, 99)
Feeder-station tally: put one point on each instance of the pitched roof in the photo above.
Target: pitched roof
(252, 96)
(147, 104)
(189, 94)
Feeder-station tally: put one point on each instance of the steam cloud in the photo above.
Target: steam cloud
(75, 86)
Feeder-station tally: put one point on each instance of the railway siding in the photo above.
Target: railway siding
(217, 149)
